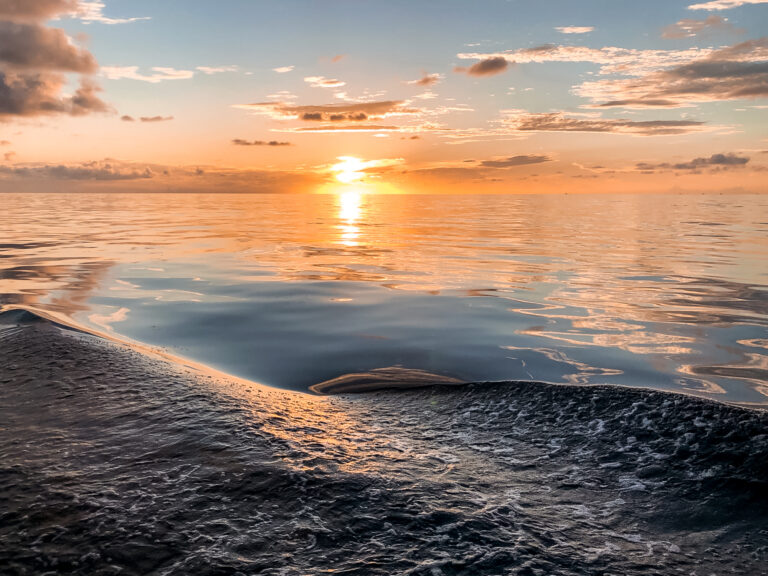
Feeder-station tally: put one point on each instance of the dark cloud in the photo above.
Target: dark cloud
(35, 94)
(35, 9)
(105, 170)
(559, 122)
(716, 160)
(127, 118)
(241, 142)
(31, 46)
(156, 118)
(689, 27)
(487, 67)
(512, 161)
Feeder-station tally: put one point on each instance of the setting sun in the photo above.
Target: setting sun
(350, 169)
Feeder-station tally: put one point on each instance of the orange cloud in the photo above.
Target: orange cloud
(323, 82)
(344, 112)
(426, 80)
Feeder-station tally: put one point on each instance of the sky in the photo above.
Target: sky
(432, 96)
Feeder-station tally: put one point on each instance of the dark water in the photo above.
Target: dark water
(111, 464)
(668, 292)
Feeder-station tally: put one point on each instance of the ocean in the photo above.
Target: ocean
(583, 382)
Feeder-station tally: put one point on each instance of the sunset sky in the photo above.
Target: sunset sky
(396, 96)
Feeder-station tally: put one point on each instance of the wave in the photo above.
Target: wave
(113, 462)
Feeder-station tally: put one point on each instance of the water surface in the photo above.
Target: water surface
(667, 292)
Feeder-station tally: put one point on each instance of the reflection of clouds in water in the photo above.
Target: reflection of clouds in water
(584, 372)
(106, 320)
(601, 278)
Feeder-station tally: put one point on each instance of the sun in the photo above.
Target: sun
(350, 169)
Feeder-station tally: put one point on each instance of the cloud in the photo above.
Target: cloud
(210, 70)
(338, 58)
(426, 80)
(90, 11)
(127, 118)
(343, 112)
(558, 122)
(160, 73)
(688, 27)
(34, 59)
(110, 174)
(39, 93)
(513, 161)
(575, 29)
(36, 10)
(322, 82)
(156, 118)
(283, 69)
(241, 142)
(26, 46)
(720, 161)
(612, 60)
(327, 129)
(486, 67)
(735, 72)
(724, 4)
(8, 156)
(96, 170)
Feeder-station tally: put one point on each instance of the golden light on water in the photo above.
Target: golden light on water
(350, 211)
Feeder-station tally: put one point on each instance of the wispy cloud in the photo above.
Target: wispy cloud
(322, 82)
(523, 121)
(159, 73)
(273, 143)
(283, 69)
(344, 112)
(426, 80)
(211, 70)
(716, 161)
(575, 29)
(89, 11)
(724, 4)
(689, 27)
(733, 73)
(153, 119)
(514, 161)
(96, 170)
(612, 59)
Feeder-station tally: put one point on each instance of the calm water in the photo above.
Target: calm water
(667, 292)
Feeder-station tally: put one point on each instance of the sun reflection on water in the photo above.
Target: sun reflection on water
(350, 212)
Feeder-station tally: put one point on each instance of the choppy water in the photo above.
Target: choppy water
(668, 292)
(111, 464)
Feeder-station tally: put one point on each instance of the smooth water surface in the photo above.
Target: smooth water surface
(668, 292)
